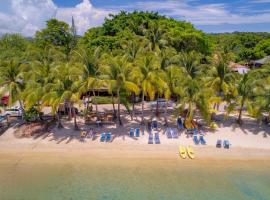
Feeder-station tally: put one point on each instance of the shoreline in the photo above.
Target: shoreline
(165, 152)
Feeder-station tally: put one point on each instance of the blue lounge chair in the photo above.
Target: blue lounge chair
(137, 132)
(202, 140)
(102, 137)
(196, 140)
(154, 125)
(150, 138)
(219, 144)
(157, 140)
(131, 132)
(174, 133)
(180, 123)
(169, 133)
(108, 137)
(226, 144)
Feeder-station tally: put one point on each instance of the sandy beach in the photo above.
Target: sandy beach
(247, 141)
(59, 164)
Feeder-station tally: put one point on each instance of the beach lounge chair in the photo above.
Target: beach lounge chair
(154, 125)
(108, 137)
(202, 140)
(180, 123)
(196, 140)
(169, 133)
(102, 137)
(182, 152)
(219, 144)
(131, 132)
(150, 138)
(174, 134)
(157, 140)
(190, 152)
(226, 144)
(137, 132)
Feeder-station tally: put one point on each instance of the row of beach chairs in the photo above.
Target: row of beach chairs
(153, 138)
(172, 133)
(135, 133)
(105, 137)
(199, 140)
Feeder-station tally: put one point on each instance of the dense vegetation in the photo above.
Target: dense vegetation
(135, 54)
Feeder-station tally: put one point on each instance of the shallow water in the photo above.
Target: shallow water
(174, 179)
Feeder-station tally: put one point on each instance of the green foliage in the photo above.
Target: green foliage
(12, 46)
(32, 115)
(158, 30)
(245, 45)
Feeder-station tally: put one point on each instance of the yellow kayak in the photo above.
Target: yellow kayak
(182, 152)
(190, 152)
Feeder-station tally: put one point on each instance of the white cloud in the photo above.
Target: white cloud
(85, 15)
(28, 16)
(207, 14)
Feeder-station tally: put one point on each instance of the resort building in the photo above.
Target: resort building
(241, 69)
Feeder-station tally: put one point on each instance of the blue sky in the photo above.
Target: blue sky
(28, 16)
(243, 7)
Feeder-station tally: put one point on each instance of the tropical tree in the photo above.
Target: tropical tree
(90, 80)
(192, 90)
(150, 75)
(221, 78)
(64, 88)
(245, 90)
(116, 72)
(11, 80)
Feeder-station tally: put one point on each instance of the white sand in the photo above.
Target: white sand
(250, 139)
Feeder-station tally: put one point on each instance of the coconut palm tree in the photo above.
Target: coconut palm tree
(90, 75)
(155, 35)
(11, 80)
(192, 90)
(245, 92)
(64, 88)
(116, 71)
(150, 75)
(221, 78)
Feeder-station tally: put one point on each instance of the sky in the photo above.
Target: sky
(28, 16)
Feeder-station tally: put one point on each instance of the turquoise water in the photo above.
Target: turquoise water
(136, 179)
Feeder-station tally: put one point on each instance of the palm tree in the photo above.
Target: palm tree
(90, 75)
(245, 89)
(116, 72)
(11, 80)
(191, 89)
(148, 72)
(221, 78)
(64, 88)
(39, 75)
(155, 35)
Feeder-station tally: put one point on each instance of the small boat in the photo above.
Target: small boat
(182, 152)
(190, 152)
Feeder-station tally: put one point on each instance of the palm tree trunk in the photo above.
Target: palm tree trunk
(166, 112)
(157, 107)
(21, 105)
(95, 101)
(133, 105)
(114, 110)
(59, 124)
(190, 112)
(118, 113)
(239, 120)
(76, 127)
(69, 111)
(142, 122)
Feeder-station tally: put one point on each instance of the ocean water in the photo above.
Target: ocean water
(128, 179)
